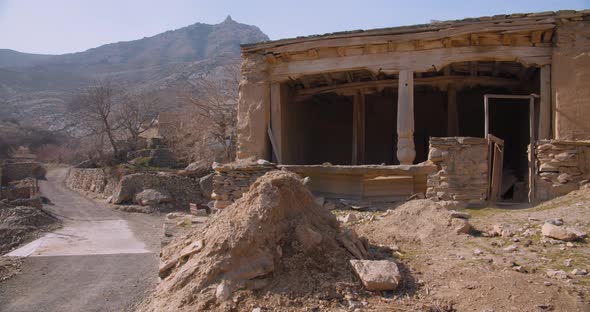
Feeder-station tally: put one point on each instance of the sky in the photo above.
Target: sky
(64, 26)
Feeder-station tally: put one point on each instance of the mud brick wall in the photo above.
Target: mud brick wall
(232, 180)
(462, 173)
(562, 166)
(94, 180)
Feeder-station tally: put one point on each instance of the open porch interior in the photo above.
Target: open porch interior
(356, 118)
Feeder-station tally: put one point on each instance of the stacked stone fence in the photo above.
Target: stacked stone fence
(14, 171)
(562, 166)
(232, 180)
(462, 173)
(93, 180)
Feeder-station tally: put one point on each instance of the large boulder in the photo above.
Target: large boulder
(377, 274)
(151, 197)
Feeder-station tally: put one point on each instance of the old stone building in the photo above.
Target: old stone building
(448, 109)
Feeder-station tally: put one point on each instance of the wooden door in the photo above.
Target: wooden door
(495, 164)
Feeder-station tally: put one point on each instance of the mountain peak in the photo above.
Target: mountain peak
(228, 19)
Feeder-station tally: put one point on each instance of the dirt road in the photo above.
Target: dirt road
(101, 260)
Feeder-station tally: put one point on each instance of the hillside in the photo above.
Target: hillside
(34, 87)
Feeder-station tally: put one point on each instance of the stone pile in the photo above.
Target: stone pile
(232, 180)
(462, 169)
(562, 166)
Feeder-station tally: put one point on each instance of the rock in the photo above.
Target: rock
(579, 272)
(477, 252)
(503, 230)
(223, 291)
(152, 197)
(519, 268)
(556, 221)
(348, 218)
(461, 226)
(547, 283)
(256, 310)
(569, 244)
(452, 204)
(559, 274)
(320, 200)
(198, 168)
(460, 214)
(264, 162)
(330, 206)
(511, 248)
(558, 232)
(567, 262)
(377, 274)
(564, 178)
(307, 237)
(206, 184)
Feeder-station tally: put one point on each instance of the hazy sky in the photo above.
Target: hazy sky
(62, 26)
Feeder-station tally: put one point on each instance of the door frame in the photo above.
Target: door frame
(531, 99)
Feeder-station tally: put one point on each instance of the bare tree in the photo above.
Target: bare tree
(94, 110)
(215, 100)
(136, 114)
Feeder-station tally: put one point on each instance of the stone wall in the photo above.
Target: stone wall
(182, 190)
(13, 171)
(94, 180)
(562, 166)
(232, 180)
(462, 173)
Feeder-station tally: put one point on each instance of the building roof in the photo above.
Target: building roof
(548, 16)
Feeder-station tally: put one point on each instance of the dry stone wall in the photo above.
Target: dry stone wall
(232, 180)
(462, 169)
(94, 180)
(13, 171)
(562, 166)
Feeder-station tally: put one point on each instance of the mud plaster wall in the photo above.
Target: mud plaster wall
(462, 169)
(253, 109)
(570, 77)
(563, 166)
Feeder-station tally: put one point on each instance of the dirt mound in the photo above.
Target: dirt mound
(275, 239)
(417, 221)
(21, 224)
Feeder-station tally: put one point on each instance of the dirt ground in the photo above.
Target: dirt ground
(443, 270)
(483, 273)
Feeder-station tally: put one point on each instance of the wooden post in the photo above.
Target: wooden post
(545, 104)
(406, 152)
(358, 129)
(452, 114)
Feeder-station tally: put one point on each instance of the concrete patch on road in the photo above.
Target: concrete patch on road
(85, 238)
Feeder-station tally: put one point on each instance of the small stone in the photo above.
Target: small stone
(569, 244)
(320, 200)
(460, 215)
(559, 274)
(511, 248)
(519, 268)
(222, 292)
(377, 274)
(461, 226)
(477, 252)
(348, 218)
(547, 283)
(579, 272)
(556, 221)
(256, 310)
(567, 262)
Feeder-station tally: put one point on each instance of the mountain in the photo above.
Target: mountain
(34, 87)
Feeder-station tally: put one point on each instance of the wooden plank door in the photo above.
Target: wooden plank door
(496, 162)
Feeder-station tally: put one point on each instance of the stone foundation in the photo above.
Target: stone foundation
(462, 173)
(562, 166)
(232, 180)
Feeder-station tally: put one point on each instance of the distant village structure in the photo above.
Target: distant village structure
(447, 109)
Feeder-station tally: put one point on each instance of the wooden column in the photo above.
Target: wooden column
(358, 129)
(545, 104)
(452, 113)
(406, 152)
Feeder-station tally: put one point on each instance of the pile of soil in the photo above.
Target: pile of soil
(21, 224)
(274, 243)
(421, 221)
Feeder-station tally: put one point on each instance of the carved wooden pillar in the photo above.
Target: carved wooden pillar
(545, 104)
(406, 152)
